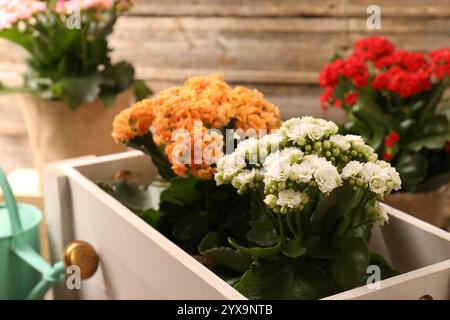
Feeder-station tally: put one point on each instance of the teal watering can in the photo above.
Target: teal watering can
(24, 274)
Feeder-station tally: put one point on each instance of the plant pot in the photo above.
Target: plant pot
(55, 132)
(432, 207)
(138, 262)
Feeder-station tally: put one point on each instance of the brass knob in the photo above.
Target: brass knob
(83, 255)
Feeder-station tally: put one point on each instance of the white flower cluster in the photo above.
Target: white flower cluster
(305, 158)
(317, 136)
(378, 214)
(291, 170)
(351, 147)
(300, 131)
(242, 168)
(378, 177)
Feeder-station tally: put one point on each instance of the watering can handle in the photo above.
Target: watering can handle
(11, 204)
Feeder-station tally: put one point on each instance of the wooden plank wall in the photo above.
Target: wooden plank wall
(277, 46)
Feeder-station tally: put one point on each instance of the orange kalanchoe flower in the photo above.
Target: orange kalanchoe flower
(195, 152)
(199, 99)
(252, 111)
(209, 100)
(134, 121)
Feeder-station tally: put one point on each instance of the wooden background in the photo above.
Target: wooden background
(277, 46)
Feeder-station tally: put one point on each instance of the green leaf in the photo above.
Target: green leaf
(141, 90)
(349, 270)
(436, 96)
(262, 233)
(406, 126)
(79, 90)
(129, 194)
(151, 216)
(386, 269)
(431, 142)
(284, 279)
(181, 191)
(322, 250)
(370, 110)
(146, 144)
(438, 124)
(119, 76)
(191, 225)
(258, 252)
(412, 168)
(293, 248)
(212, 246)
(23, 39)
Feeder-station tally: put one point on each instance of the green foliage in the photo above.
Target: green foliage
(349, 269)
(146, 144)
(214, 247)
(135, 197)
(285, 279)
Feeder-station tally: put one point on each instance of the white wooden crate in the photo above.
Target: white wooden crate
(137, 262)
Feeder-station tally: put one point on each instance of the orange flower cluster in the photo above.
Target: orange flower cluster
(195, 154)
(207, 99)
(134, 121)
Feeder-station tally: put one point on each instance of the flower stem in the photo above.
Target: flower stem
(281, 227)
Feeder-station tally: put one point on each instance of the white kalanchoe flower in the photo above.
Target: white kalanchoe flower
(278, 165)
(289, 200)
(327, 178)
(303, 172)
(378, 177)
(298, 130)
(271, 200)
(351, 170)
(248, 149)
(245, 180)
(394, 176)
(378, 214)
(341, 142)
(325, 173)
(228, 167)
(270, 143)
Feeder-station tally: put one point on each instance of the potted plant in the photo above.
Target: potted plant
(183, 130)
(395, 99)
(71, 89)
(289, 215)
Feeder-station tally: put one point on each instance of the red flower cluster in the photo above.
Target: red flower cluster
(441, 62)
(391, 139)
(397, 71)
(389, 142)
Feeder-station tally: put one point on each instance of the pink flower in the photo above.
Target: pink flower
(71, 6)
(13, 11)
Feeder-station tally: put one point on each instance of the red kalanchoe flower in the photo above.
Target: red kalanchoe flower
(403, 82)
(351, 98)
(373, 48)
(411, 61)
(330, 73)
(441, 62)
(356, 70)
(387, 156)
(337, 103)
(326, 97)
(391, 139)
